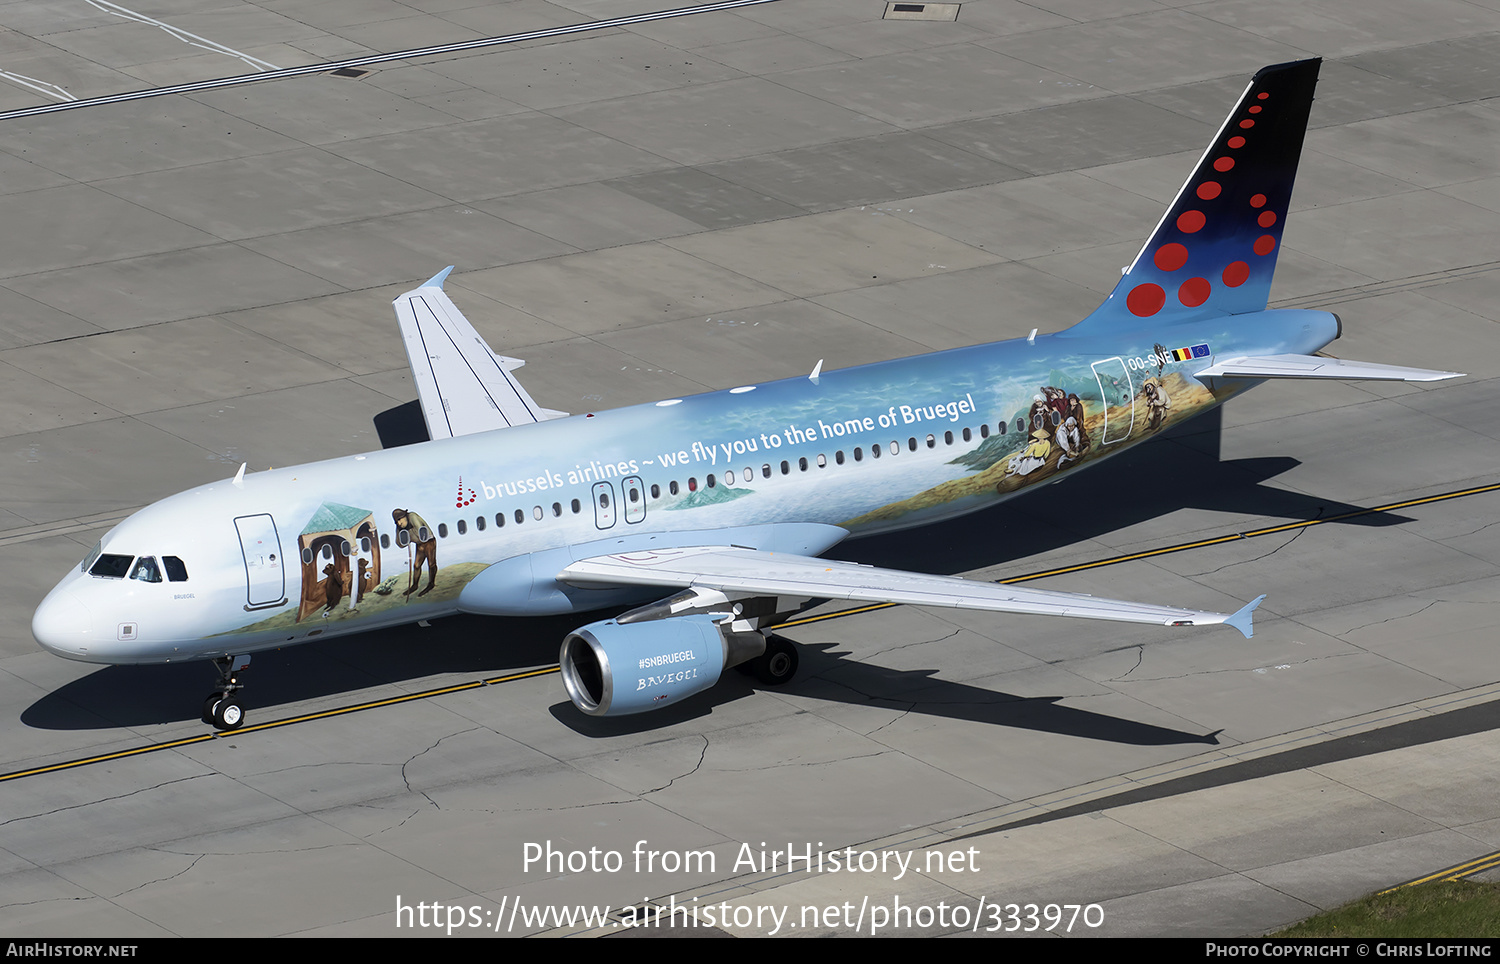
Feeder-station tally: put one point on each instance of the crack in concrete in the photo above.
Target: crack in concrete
(193, 863)
(1388, 619)
(121, 796)
(702, 755)
(407, 781)
(1265, 555)
(1257, 669)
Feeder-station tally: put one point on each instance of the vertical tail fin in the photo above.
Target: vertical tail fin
(1214, 251)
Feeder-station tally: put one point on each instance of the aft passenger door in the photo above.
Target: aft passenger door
(1118, 393)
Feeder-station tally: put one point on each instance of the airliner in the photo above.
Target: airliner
(707, 514)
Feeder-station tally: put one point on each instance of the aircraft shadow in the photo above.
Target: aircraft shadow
(140, 696)
(1179, 469)
(830, 676)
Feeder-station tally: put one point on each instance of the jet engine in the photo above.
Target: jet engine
(612, 668)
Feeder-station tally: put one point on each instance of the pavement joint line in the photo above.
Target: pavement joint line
(416, 52)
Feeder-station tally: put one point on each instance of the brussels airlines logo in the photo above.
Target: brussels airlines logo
(462, 502)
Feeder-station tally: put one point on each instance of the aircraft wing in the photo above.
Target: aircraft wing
(464, 387)
(732, 569)
(1316, 366)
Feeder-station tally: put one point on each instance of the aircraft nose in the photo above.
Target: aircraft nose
(63, 625)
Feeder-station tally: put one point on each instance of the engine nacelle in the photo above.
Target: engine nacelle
(611, 669)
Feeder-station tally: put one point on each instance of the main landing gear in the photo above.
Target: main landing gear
(223, 707)
(777, 665)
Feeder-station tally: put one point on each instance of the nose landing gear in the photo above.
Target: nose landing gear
(223, 708)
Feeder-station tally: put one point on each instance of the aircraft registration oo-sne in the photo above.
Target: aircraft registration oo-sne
(723, 500)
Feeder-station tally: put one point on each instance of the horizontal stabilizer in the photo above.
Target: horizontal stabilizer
(1315, 366)
(731, 569)
(464, 387)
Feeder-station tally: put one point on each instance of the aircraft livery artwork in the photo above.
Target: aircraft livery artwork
(715, 505)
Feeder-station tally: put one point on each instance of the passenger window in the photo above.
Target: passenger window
(672, 486)
(655, 491)
(442, 532)
(557, 510)
(948, 437)
(895, 448)
(802, 464)
(146, 570)
(710, 480)
(822, 461)
(536, 513)
(931, 442)
(1002, 429)
(692, 484)
(385, 541)
(479, 523)
(786, 468)
(176, 571)
(463, 527)
(875, 451)
(499, 520)
(911, 443)
(576, 506)
(750, 474)
(520, 517)
(765, 471)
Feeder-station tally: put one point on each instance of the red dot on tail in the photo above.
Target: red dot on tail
(1246, 124)
(1189, 222)
(1194, 292)
(1262, 95)
(1236, 273)
(1209, 190)
(1256, 109)
(1266, 219)
(1258, 201)
(1145, 300)
(1170, 257)
(1236, 141)
(1265, 244)
(1223, 164)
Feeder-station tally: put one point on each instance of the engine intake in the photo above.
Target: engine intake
(614, 669)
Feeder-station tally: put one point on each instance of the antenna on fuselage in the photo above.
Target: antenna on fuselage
(239, 477)
(817, 371)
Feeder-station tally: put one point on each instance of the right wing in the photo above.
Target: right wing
(733, 569)
(464, 387)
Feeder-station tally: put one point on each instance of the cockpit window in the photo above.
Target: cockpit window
(111, 566)
(146, 570)
(176, 571)
(93, 554)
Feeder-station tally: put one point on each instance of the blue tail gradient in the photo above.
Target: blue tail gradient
(1214, 251)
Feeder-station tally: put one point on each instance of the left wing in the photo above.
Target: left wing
(1316, 366)
(731, 569)
(463, 385)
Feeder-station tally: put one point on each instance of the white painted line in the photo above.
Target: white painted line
(40, 86)
(191, 39)
(285, 72)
